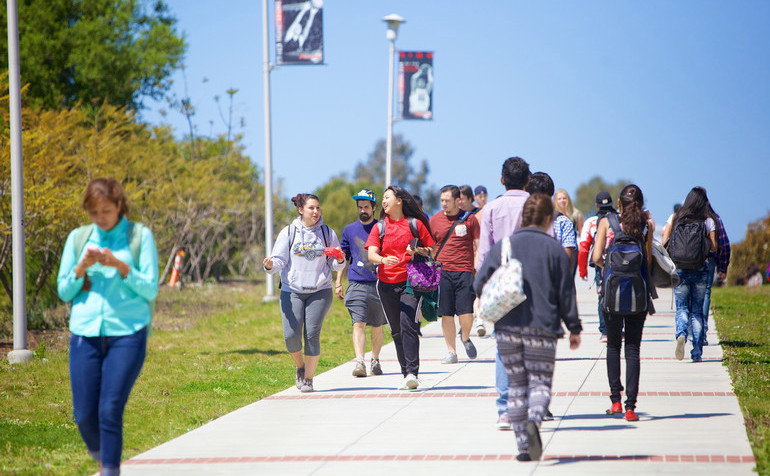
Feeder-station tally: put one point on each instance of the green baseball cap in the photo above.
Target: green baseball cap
(365, 194)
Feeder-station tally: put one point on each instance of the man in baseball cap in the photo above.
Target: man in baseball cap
(361, 298)
(585, 248)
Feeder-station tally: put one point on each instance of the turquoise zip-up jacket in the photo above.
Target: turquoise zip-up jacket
(113, 306)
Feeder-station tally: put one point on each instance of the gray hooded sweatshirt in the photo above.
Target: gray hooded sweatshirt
(305, 268)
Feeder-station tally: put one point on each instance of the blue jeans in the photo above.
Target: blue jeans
(598, 282)
(690, 294)
(711, 264)
(102, 372)
(501, 384)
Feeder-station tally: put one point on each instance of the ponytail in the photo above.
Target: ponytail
(632, 218)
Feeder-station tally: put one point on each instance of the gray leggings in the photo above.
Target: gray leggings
(303, 315)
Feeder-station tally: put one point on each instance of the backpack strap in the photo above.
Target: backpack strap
(82, 235)
(291, 232)
(135, 241)
(413, 227)
(614, 224)
(325, 232)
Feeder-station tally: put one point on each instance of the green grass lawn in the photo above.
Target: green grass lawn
(743, 321)
(213, 350)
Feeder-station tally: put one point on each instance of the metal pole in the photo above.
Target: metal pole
(19, 353)
(270, 283)
(389, 138)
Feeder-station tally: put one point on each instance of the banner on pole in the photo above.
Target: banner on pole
(415, 84)
(299, 35)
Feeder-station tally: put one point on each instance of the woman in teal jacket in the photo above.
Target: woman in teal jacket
(109, 272)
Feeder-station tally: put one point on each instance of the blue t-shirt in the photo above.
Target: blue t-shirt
(352, 243)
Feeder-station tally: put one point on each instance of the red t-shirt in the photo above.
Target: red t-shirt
(396, 239)
(457, 253)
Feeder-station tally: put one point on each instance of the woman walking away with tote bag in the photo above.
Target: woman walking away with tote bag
(109, 271)
(526, 336)
(305, 252)
(400, 214)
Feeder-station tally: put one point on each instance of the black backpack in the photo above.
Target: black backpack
(688, 245)
(624, 288)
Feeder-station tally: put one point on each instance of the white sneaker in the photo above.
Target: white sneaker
(410, 383)
(480, 329)
(449, 359)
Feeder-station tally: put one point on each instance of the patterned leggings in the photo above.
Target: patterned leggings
(528, 355)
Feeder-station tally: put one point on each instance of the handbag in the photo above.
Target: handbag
(423, 273)
(505, 288)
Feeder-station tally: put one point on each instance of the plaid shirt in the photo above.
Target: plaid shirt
(722, 255)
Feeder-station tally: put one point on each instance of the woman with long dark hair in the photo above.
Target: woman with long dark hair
(399, 215)
(690, 293)
(635, 222)
(304, 254)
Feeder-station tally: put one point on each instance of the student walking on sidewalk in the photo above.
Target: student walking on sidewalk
(361, 297)
(692, 237)
(633, 222)
(526, 336)
(109, 271)
(305, 252)
(400, 219)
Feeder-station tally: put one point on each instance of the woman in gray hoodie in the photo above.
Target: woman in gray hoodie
(305, 252)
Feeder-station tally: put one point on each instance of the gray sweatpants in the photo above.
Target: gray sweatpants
(303, 315)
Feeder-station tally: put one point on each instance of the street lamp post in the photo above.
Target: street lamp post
(269, 282)
(20, 353)
(393, 22)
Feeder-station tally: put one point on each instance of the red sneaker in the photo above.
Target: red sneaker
(631, 416)
(615, 409)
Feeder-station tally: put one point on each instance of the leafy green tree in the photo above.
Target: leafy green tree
(121, 51)
(585, 198)
(402, 171)
(754, 249)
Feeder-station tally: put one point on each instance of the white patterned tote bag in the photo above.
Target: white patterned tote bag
(505, 288)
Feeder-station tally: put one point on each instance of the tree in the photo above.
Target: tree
(754, 249)
(585, 198)
(402, 172)
(121, 51)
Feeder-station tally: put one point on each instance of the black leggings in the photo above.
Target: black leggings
(401, 311)
(634, 325)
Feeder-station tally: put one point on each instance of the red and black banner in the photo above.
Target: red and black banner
(415, 84)
(299, 34)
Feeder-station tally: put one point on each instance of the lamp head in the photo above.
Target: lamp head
(393, 22)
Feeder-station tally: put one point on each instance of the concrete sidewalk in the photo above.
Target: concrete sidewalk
(690, 420)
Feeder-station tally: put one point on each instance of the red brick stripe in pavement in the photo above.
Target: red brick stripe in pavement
(440, 394)
(434, 457)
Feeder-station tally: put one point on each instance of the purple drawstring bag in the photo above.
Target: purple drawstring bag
(423, 274)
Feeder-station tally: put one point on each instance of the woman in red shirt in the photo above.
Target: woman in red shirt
(391, 255)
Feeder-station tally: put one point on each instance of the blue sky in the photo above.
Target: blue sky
(667, 94)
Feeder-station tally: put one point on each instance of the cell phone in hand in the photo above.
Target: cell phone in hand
(414, 243)
(93, 250)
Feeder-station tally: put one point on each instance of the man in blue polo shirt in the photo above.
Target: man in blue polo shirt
(361, 297)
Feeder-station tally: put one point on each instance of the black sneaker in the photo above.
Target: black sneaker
(470, 349)
(548, 415)
(376, 368)
(300, 377)
(535, 449)
(523, 457)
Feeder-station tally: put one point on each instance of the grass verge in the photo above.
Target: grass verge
(743, 320)
(214, 349)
